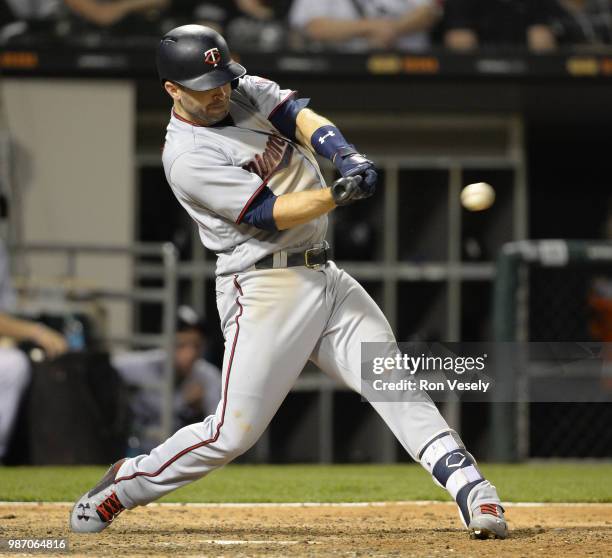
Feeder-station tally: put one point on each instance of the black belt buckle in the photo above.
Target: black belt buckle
(314, 252)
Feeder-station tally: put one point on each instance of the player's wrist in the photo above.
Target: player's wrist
(371, 26)
(343, 152)
(34, 332)
(328, 141)
(328, 197)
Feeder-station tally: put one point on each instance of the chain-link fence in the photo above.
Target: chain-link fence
(554, 291)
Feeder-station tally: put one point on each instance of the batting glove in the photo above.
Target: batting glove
(351, 163)
(349, 189)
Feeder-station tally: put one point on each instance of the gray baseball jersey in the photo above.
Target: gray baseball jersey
(216, 171)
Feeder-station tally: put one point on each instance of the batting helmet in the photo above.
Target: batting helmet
(196, 57)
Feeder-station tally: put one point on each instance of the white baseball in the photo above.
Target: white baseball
(477, 197)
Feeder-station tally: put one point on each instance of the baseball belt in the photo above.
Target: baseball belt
(312, 258)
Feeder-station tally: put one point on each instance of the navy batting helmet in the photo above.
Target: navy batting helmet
(196, 57)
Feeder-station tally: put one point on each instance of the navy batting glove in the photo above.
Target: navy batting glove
(349, 189)
(349, 162)
(370, 178)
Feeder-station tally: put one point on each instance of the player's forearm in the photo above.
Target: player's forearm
(419, 19)
(321, 135)
(109, 13)
(95, 12)
(21, 330)
(328, 29)
(297, 208)
(307, 123)
(255, 8)
(540, 38)
(461, 39)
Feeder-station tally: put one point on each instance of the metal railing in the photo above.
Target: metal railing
(166, 297)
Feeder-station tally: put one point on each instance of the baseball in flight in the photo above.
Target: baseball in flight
(478, 196)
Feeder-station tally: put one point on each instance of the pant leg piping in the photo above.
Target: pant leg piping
(221, 422)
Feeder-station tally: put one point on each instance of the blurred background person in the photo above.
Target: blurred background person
(600, 298)
(20, 16)
(219, 13)
(582, 22)
(258, 9)
(64, 18)
(470, 24)
(197, 381)
(600, 302)
(246, 23)
(14, 364)
(365, 24)
(250, 23)
(103, 13)
(30, 9)
(99, 12)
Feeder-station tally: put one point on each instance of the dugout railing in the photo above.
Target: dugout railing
(69, 289)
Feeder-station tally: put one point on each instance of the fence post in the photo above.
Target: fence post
(170, 259)
(502, 424)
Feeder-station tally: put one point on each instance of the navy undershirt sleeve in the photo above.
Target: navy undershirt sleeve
(284, 116)
(259, 213)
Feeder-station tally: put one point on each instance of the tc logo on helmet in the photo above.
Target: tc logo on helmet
(212, 56)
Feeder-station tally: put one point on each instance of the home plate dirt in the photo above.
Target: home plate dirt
(404, 529)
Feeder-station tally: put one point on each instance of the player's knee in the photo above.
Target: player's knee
(238, 444)
(14, 369)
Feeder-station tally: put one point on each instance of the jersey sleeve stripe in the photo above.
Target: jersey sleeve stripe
(248, 203)
(290, 96)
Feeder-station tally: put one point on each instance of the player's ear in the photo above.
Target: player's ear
(172, 89)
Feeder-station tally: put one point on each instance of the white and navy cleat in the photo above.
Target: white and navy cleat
(488, 522)
(96, 509)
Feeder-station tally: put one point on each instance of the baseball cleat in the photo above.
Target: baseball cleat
(96, 509)
(488, 522)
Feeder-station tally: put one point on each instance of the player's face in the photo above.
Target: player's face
(189, 348)
(205, 107)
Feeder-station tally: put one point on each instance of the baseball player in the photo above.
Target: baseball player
(239, 156)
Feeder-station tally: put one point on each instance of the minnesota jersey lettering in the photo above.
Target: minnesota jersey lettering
(275, 157)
